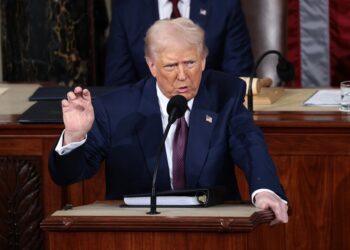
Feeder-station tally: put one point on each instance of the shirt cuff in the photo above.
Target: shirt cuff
(63, 150)
(266, 190)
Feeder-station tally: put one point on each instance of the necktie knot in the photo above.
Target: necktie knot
(175, 13)
(179, 153)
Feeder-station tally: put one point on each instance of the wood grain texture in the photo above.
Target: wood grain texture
(182, 220)
(159, 232)
(20, 207)
(147, 241)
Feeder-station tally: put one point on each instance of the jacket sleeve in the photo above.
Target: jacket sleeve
(84, 161)
(250, 152)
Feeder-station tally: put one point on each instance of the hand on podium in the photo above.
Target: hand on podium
(268, 200)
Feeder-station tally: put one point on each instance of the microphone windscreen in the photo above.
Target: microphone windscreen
(285, 70)
(177, 107)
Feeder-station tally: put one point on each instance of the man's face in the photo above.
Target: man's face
(178, 70)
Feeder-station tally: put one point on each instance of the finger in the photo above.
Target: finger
(86, 94)
(78, 90)
(64, 103)
(284, 213)
(280, 211)
(71, 96)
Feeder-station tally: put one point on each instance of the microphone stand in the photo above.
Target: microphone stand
(176, 108)
(153, 201)
(250, 83)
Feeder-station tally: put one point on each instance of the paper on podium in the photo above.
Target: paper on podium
(324, 97)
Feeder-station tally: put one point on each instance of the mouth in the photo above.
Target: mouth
(182, 89)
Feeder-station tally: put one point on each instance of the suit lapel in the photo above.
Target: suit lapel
(150, 134)
(200, 11)
(201, 125)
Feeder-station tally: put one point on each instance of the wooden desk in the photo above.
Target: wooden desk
(109, 226)
(310, 147)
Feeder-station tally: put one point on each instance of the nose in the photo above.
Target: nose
(181, 74)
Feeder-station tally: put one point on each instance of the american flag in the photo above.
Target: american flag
(319, 41)
(208, 118)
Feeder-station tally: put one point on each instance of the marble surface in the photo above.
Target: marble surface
(45, 40)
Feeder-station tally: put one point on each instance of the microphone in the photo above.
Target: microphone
(176, 108)
(284, 68)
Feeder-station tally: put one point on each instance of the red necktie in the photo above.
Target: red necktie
(179, 153)
(176, 12)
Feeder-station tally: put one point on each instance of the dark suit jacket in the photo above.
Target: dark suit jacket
(226, 37)
(128, 129)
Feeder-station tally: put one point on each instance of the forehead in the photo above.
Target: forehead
(179, 52)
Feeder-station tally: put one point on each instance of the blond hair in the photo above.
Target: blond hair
(180, 29)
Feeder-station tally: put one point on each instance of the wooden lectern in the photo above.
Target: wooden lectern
(107, 225)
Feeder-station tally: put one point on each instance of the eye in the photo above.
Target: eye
(170, 67)
(190, 63)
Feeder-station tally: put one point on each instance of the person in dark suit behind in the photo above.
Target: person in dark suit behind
(125, 127)
(223, 21)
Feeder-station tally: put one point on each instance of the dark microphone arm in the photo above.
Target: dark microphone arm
(153, 205)
(285, 71)
(176, 108)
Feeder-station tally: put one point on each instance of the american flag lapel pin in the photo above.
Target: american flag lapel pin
(203, 12)
(209, 119)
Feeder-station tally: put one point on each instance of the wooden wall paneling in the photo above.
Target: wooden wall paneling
(308, 144)
(147, 240)
(312, 161)
(52, 193)
(74, 194)
(20, 146)
(94, 240)
(307, 181)
(21, 207)
(95, 188)
(266, 237)
(340, 193)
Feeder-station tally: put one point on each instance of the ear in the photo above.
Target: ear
(203, 62)
(151, 65)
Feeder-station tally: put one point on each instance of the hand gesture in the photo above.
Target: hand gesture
(78, 115)
(265, 200)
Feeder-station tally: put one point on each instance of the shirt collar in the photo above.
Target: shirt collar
(163, 2)
(163, 103)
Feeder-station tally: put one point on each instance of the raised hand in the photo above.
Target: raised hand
(78, 115)
(267, 200)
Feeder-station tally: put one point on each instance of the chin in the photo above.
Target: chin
(187, 95)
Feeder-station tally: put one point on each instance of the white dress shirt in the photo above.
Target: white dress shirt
(163, 103)
(165, 7)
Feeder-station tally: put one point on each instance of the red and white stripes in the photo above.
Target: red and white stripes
(319, 41)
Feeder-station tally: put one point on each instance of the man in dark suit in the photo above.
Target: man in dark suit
(226, 36)
(125, 127)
